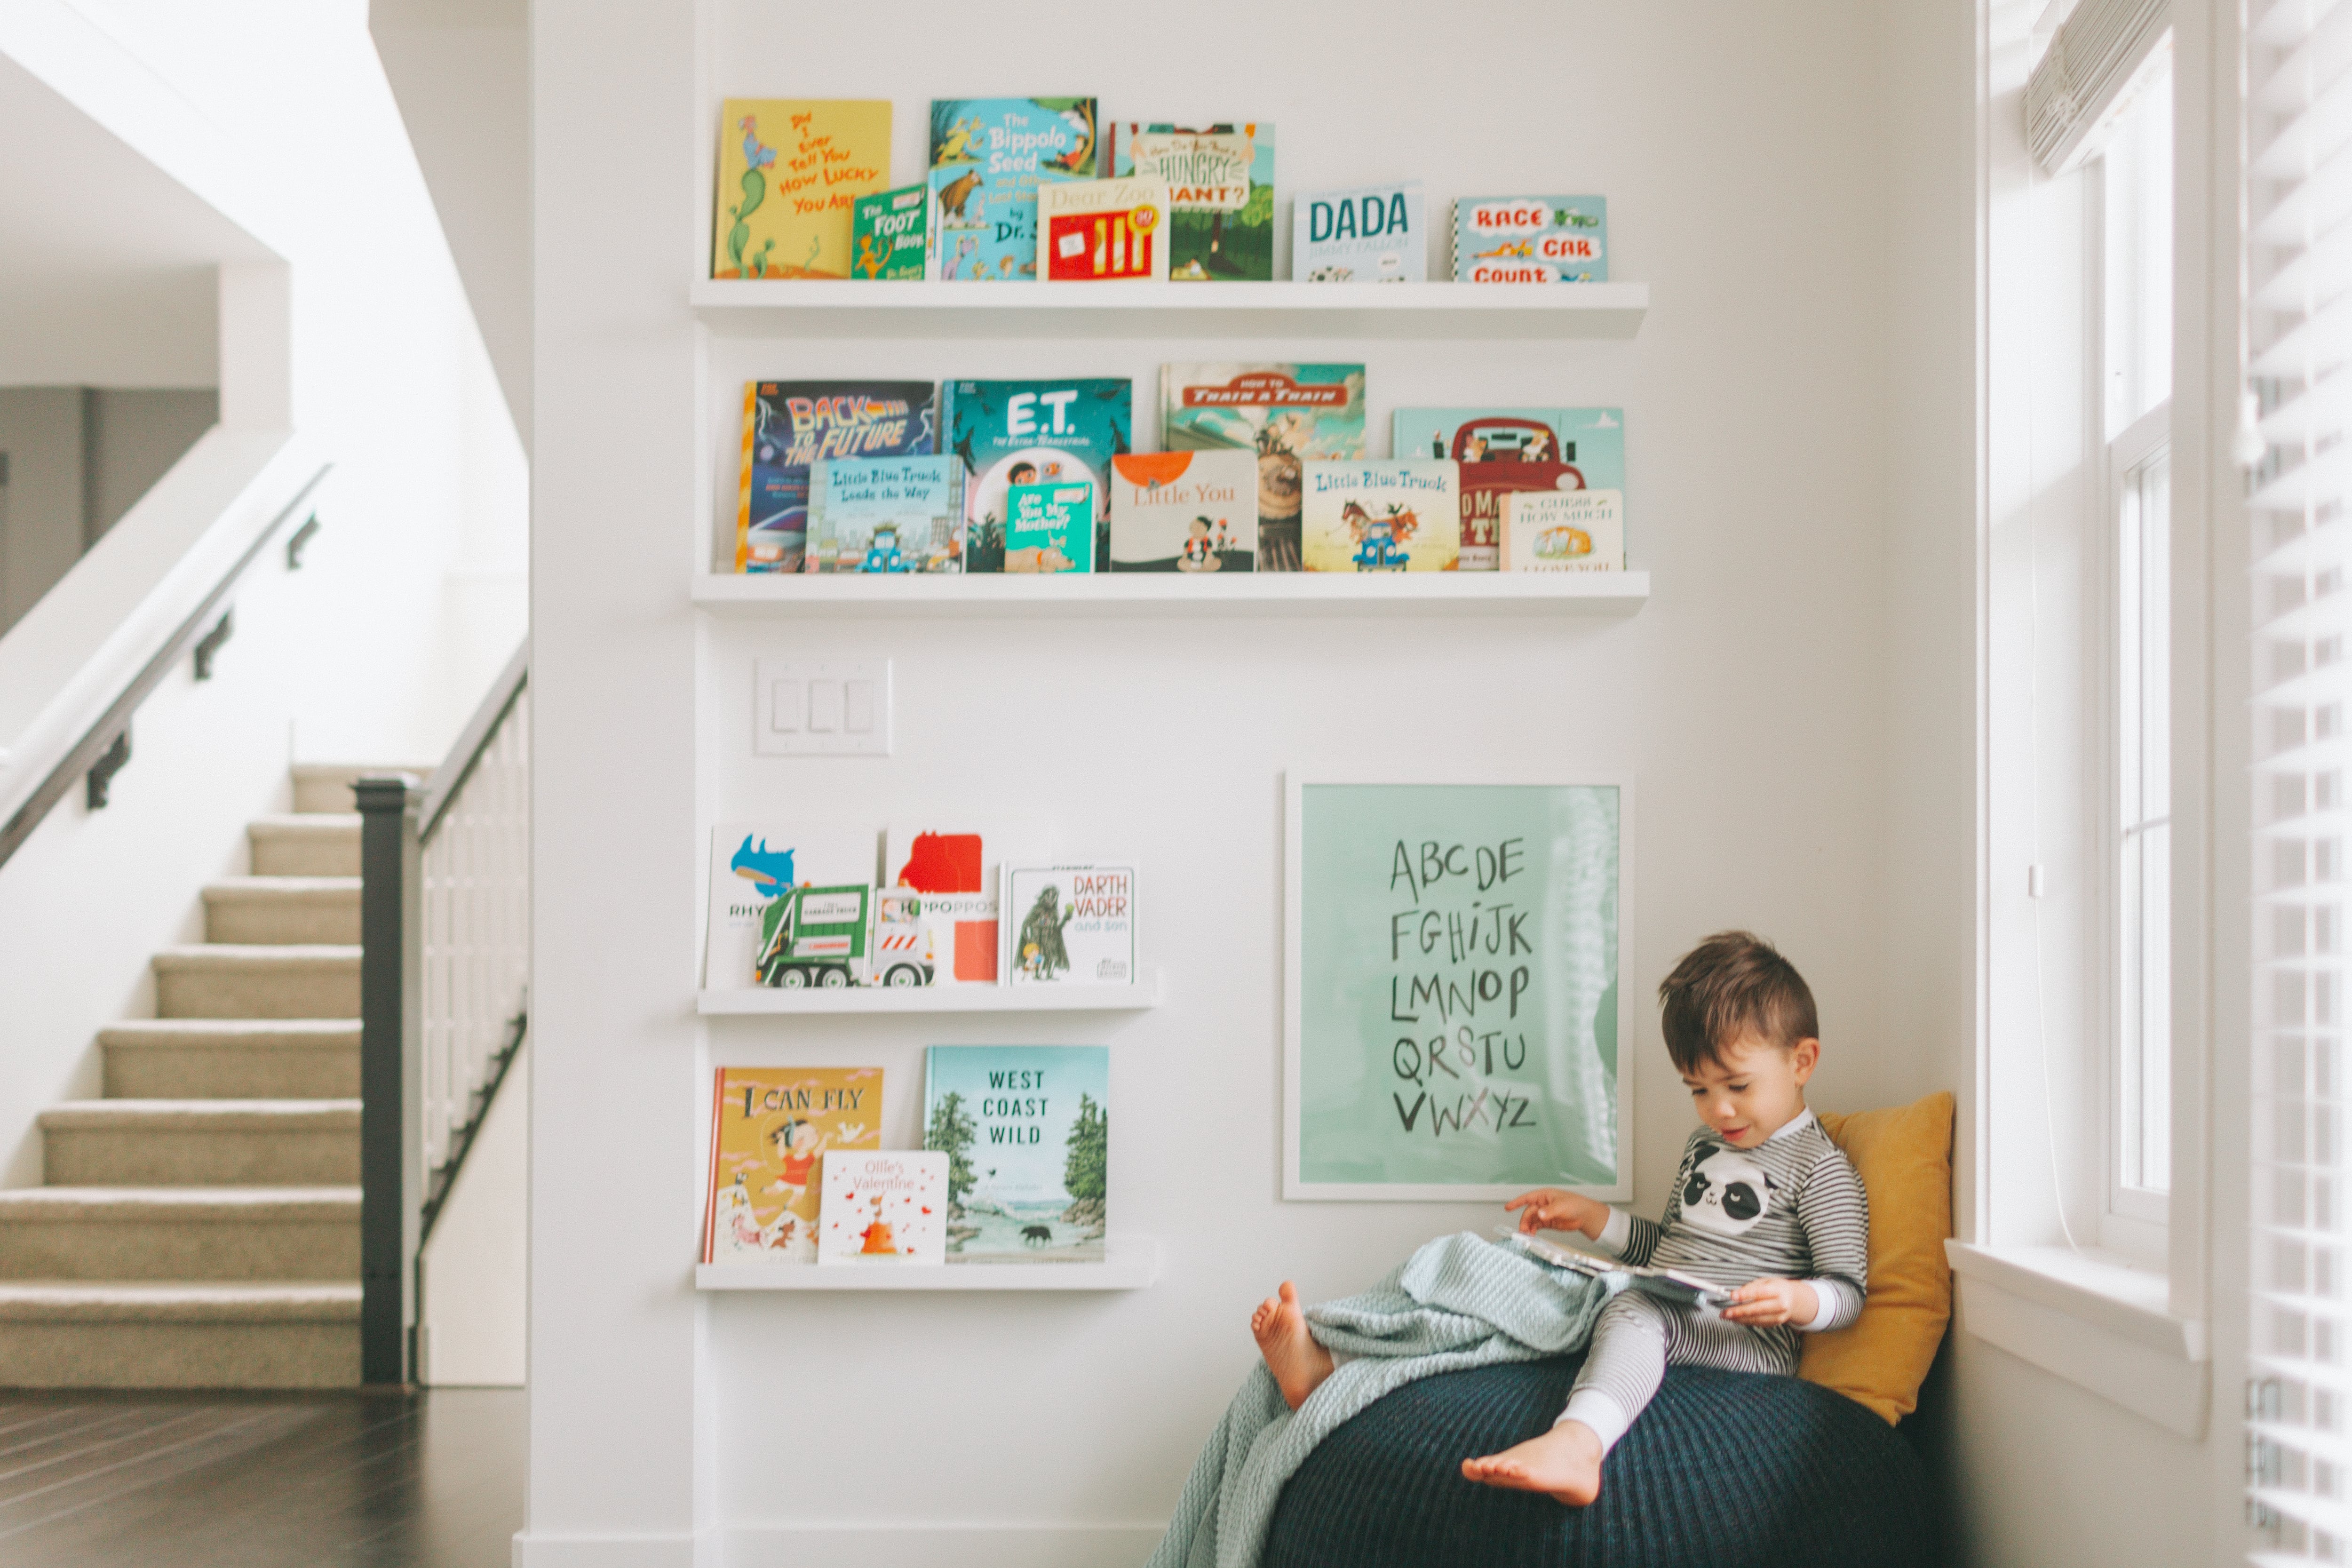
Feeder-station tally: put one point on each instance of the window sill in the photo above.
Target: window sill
(2092, 1319)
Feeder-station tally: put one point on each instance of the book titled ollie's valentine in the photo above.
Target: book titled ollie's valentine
(790, 424)
(770, 1129)
(884, 1207)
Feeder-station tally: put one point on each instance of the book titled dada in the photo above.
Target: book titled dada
(1070, 925)
(1369, 234)
(884, 1207)
(1183, 511)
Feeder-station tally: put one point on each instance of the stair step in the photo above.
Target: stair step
(325, 787)
(179, 1233)
(264, 980)
(178, 1335)
(283, 910)
(201, 1143)
(312, 844)
(232, 1058)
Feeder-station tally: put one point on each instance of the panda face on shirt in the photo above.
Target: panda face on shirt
(1727, 1193)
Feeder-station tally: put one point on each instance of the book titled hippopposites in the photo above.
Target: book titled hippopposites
(789, 172)
(1025, 1130)
(770, 1127)
(1287, 415)
(1220, 182)
(989, 157)
(790, 424)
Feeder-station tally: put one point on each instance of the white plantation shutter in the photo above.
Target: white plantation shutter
(2100, 55)
(2299, 321)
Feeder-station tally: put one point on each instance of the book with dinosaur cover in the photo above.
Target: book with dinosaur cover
(1025, 1130)
(1531, 239)
(882, 1208)
(1183, 511)
(890, 235)
(1286, 415)
(1563, 530)
(1507, 451)
(989, 156)
(1397, 516)
(1366, 233)
(1050, 528)
(1220, 182)
(956, 873)
(1069, 925)
(770, 1129)
(1104, 231)
(885, 514)
(761, 873)
(1034, 433)
(789, 172)
(790, 424)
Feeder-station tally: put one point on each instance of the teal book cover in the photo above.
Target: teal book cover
(1026, 1130)
(1220, 195)
(988, 156)
(885, 514)
(1050, 528)
(1034, 433)
(1531, 239)
(1506, 450)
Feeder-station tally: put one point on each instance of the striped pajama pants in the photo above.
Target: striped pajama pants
(1638, 1336)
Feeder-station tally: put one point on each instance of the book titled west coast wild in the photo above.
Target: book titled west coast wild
(1396, 516)
(1286, 415)
(1220, 180)
(769, 1130)
(1013, 433)
(790, 424)
(1025, 1131)
(884, 1208)
(989, 156)
(789, 172)
(1194, 512)
(886, 515)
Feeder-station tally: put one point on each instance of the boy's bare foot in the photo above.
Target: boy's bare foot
(1564, 1463)
(1300, 1365)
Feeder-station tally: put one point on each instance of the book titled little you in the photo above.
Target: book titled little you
(884, 1207)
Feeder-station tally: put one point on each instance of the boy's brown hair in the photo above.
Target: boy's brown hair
(1732, 984)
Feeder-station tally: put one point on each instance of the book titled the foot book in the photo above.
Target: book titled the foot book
(884, 1207)
(1025, 1132)
(889, 237)
(1220, 182)
(770, 1129)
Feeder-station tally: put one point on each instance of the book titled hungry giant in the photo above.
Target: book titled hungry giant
(1397, 516)
(790, 424)
(1511, 451)
(889, 237)
(1220, 182)
(1531, 239)
(1366, 233)
(1104, 231)
(885, 514)
(884, 1207)
(769, 1130)
(1286, 415)
(989, 156)
(1033, 433)
(1025, 1130)
(789, 172)
(1194, 512)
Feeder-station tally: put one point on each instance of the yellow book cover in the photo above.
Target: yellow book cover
(769, 1130)
(789, 172)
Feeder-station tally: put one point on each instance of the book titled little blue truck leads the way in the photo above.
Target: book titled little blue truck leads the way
(1026, 1133)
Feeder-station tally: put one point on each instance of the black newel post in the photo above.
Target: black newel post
(388, 1182)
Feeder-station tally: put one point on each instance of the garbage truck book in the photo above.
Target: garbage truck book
(1509, 451)
(886, 515)
(989, 156)
(1531, 239)
(1183, 511)
(1104, 231)
(789, 172)
(1370, 234)
(761, 873)
(889, 237)
(769, 1128)
(1025, 1130)
(1034, 433)
(1220, 182)
(956, 875)
(884, 1209)
(1397, 516)
(1069, 925)
(1284, 414)
(791, 424)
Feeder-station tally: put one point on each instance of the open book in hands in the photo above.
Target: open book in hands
(1668, 1284)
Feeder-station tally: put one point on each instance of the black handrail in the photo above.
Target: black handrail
(112, 728)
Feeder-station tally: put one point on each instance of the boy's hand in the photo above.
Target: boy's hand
(1549, 1209)
(1764, 1303)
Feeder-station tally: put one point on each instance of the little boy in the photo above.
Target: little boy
(1763, 1202)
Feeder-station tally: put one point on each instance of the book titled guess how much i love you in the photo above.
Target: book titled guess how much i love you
(789, 172)
(989, 158)
(1025, 1130)
(1220, 180)
(789, 426)
(769, 1130)
(884, 1208)
(1013, 433)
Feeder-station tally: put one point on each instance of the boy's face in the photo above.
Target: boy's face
(1753, 1089)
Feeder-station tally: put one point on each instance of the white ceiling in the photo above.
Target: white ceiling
(106, 262)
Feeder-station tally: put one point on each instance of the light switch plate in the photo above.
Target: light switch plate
(821, 708)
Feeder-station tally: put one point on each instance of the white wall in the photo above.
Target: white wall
(477, 1262)
(1752, 699)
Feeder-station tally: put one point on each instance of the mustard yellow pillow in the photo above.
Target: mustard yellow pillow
(1904, 1156)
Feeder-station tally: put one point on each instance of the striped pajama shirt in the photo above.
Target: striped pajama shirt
(1791, 1209)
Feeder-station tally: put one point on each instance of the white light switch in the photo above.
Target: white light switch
(817, 708)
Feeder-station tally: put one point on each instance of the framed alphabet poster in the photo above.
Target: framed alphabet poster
(1454, 982)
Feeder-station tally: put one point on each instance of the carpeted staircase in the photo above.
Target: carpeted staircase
(200, 1227)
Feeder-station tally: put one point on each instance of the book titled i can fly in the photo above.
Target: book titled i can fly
(888, 236)
(1220, 182)
(1033, 433)
(989, 156)
(770, 1129)
(1370, 234)
(1531, 239)
(1027, 1133)
(789, 172)
(788, 425)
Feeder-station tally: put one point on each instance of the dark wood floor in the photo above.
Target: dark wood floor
(215, 1480)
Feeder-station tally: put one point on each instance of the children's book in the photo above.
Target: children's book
(1563, 530)
(1510, 451)
(885, 514)
(1069, 925)
(882, 1208)
(1399, 516)
(956, 875)
(770, 1127)
(1667, 1284)
(1025, 1130)
(1050, 527)
(790, 424)
(989, 156)
(1531, 239)
(1286, 415)
(1104, 231)
(755, 866)
(1220, 182)
(1034, 433)
(1367, 234)
(1183, 511)
(889, 237)
(789, 172)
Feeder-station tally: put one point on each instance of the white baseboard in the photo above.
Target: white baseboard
(933, 1545)
(542, 1551)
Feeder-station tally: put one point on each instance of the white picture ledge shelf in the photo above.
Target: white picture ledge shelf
(1132, 1264)
(1616, 594)
(1142, 995)
(775, 307)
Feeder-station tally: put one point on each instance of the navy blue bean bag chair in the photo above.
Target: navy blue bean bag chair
(1724, 1469)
